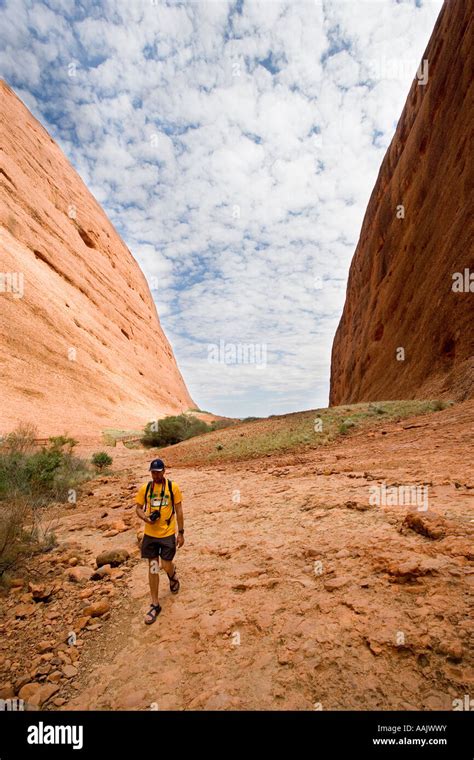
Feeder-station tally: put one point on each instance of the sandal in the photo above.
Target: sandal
(152, 613)
(174, 583)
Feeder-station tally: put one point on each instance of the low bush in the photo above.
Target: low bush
(101, 460)
(31, 478)
(172, 430)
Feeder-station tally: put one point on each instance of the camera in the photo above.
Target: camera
(155, 516)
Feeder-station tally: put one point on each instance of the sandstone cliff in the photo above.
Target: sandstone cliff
(400, 289)
(81, 344)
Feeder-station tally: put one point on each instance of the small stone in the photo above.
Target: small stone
(43, 694)
(25, 610)
(101, 572)
(44, 646)
(28, 690)
(70, 671)
(427, 524)
(452, 649)
(97, 608)
(375, 648)
(79, 574)
(7, 691)
(335, 583)
(81, 623)
(16, 582)
(416, 566)
(119, 526)
(40, 592)
(52, 614)
(21, 682)
(55, 676)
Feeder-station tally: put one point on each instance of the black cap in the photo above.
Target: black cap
(157, 465)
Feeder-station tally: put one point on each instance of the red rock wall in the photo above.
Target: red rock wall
(82, 349)
(399, 292)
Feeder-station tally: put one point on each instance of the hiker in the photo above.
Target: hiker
(157, 502)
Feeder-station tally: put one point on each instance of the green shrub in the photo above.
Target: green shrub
(101, 459)
(438, 405)
(31, 478)
(12, 518)
(346, 425)
(172, 430)
(220, 424)
(375, 409)
(41, 474)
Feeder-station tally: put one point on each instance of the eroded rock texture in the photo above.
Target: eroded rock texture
(81, 344)
(400, 290)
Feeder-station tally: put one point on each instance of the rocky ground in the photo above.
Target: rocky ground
(296, 591)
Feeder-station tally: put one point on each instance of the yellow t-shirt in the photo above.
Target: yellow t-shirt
(160, 528)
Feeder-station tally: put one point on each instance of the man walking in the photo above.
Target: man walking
(159, 503)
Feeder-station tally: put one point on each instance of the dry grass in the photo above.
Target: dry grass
(290, 432)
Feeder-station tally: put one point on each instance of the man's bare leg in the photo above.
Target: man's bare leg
(168, 567)
(154, 579)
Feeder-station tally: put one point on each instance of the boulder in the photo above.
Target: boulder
(112, 557)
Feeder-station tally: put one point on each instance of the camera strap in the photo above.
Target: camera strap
(149, 492)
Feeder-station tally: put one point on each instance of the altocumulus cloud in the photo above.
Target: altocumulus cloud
(234, 145)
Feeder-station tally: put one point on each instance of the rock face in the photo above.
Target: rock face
(82, 346)
(400, 289)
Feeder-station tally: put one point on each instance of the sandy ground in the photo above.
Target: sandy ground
(296, 592)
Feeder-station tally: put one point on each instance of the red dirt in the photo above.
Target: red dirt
(296, 592)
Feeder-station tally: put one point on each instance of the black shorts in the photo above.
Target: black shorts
(152, 547)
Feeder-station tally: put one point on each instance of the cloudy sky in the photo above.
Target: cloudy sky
(234, 145)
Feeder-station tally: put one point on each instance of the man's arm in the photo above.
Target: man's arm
(180, 515)
(180, 518)
(141, 514)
